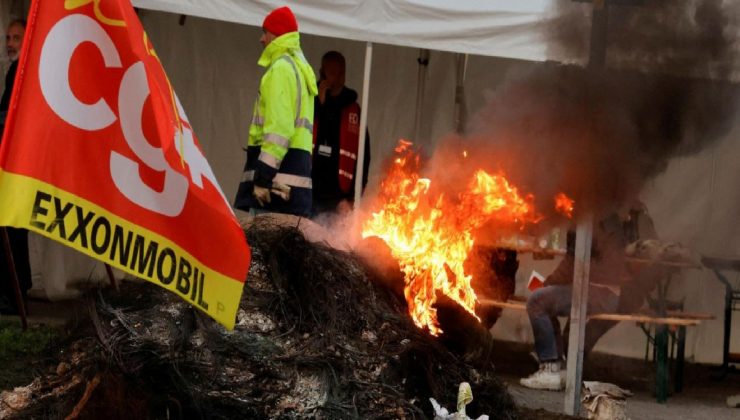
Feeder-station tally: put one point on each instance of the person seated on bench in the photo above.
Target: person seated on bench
(611, 287)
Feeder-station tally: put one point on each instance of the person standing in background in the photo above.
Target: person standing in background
(336, 139)
(277, 174)
(18, 237)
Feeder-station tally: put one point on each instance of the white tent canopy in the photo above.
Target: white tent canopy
(501, 28)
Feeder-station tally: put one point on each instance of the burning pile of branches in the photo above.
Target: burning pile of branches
(431, 232)
(432, 239)
(314, 337)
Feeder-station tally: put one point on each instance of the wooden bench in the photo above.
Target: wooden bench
(680, 320)
(509, 304)
(677, 319)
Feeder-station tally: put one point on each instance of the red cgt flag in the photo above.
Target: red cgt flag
(98, 155)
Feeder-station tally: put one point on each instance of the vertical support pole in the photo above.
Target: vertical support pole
(578, 315)
(459, 115)
(646, 329)
(680, 355)
(661, 345)
(727, 322)
(599, 24)
(14, 278)
(661, 357)
(363, 123)
(584, 236)
(423, 61)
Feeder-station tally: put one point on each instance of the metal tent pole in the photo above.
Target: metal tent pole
(359, 172)
(584, 235)
(423, 61)
(578, 315)
(459, 116)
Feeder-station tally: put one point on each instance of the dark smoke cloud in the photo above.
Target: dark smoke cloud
(599, 135)
(685, 37)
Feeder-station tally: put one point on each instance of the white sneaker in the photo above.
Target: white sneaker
(547, 377)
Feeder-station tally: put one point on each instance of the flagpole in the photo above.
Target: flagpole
(14, 278)
(111, 277)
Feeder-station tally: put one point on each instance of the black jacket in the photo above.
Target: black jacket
(325, 168)
(5, 101)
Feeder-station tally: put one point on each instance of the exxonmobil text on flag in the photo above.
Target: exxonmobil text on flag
(99, 155)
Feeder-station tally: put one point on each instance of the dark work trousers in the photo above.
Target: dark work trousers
(547, 303)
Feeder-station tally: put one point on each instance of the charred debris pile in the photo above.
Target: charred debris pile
(315, 337)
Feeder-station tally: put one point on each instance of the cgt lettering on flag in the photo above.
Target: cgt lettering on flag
(115, 170)
(61, 43)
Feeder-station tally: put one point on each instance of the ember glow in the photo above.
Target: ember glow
(431, 234)
(564, 205)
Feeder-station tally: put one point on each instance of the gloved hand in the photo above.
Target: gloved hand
(262, 195)
(281, 190)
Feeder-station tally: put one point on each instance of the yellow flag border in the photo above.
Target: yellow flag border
(57, 214)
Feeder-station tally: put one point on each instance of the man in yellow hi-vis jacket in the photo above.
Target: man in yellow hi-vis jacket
(277, 175)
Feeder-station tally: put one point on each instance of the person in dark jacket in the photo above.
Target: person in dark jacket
(13, 43)
(614, 286)
(18, 237)
(336, 138)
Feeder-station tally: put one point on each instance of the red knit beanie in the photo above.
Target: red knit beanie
(280, 21)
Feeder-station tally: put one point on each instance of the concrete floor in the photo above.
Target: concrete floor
(703, 397)
(694, 403)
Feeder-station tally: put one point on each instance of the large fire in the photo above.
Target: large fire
(431, 234)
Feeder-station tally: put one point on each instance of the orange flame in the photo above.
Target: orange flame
(564, 205)
(431, 235)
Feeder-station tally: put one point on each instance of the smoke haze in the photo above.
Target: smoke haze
(599, 134)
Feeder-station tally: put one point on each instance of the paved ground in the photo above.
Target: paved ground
(688, 406)
(702, 398)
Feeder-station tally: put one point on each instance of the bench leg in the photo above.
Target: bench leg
(727, 325)
(661, 362)
(681, 352)
(646, 330)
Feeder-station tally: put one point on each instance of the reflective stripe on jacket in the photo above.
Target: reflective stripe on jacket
(349, 140)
